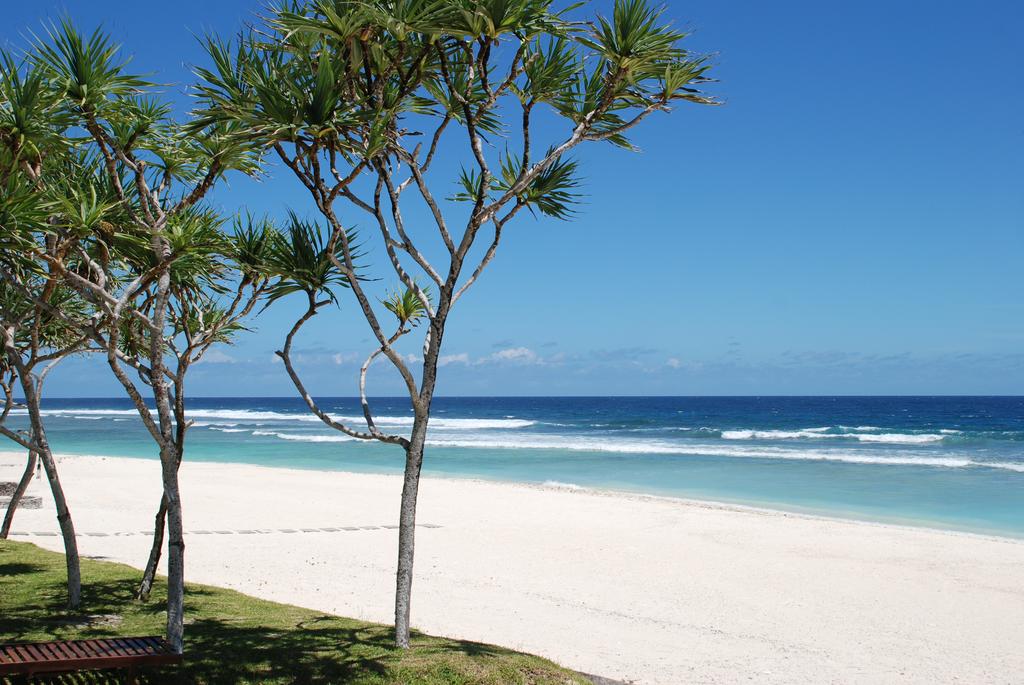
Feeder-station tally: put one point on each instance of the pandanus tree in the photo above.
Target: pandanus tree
(39, 315)
(360, 99)
(164, 277)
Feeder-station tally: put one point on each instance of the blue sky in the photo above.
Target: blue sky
(850, 222)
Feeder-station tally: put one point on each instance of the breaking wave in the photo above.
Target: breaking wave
(207, 417)
(927, 446)
(824, 434)
(650, 447)
(305, 438)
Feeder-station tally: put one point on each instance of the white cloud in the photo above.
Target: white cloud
(518, 355)
(218, 357)
(340, 358)
(446, 359)
(673, 363)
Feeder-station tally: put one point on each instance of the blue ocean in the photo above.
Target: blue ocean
(946, 462)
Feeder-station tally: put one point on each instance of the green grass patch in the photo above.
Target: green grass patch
(234, 638)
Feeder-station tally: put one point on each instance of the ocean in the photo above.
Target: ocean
(945, 462)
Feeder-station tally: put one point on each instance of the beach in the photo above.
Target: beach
(637, 588)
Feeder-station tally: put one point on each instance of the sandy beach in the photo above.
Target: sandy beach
(641, 589)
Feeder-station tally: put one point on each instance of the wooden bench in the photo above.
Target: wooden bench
(29, 658)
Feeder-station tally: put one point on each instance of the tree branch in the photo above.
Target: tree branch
(285, 355)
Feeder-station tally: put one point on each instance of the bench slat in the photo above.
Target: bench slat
(105, 648)
(10, 655)
(28, 649)
(73, 650)
(130, 648)
(145, 646)
(134, 647)
(38, 652)
(62, 650)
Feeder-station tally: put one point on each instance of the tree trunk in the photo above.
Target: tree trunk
(12, 506)
(67, 526)
(146, 585)
(407, 533)
(413, 466)
(175, 552)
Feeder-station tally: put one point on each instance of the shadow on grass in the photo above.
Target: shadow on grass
(220, 652)
(15, 568)
(232, 639)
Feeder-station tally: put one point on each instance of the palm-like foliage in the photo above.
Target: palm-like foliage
(407, 306)
(86, 71)
(208, 324)
(300, 256)
(633, 39)
(553, 192)
(250, 244)
(23, 210)
(43, 324)
(30, 121)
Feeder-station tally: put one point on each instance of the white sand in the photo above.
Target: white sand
(643, 589)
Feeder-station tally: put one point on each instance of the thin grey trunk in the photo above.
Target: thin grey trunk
(407, 531)
(411, 487)
(12, 506)
(30, 385)
(170, 457)
(149, 574)
(175, 553)
(67, 526)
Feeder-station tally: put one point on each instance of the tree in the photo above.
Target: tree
(34, 338)
(342, 93)
(355, 99)
(164, 277)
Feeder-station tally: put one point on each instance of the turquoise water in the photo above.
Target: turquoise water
(949, 462)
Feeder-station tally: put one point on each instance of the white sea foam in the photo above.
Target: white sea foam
(579, 444)
(1008, 466)
(560, 485)
(305, 438)
(818, 433)
(252, 416)
(831, 444)
(775, 434)
(900, 438)
(452, 424)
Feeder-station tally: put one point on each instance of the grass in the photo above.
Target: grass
(233, 638)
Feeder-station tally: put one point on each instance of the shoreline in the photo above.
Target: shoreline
(764, 508)
(635, 587)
